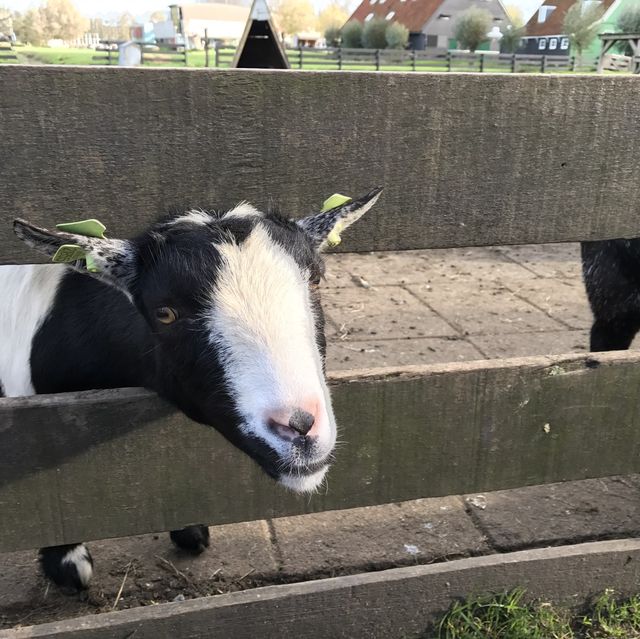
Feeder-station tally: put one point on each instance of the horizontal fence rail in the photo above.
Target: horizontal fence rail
(465, 159)
(114, 463)
(400, 602)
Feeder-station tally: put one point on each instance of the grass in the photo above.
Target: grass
(511, 616)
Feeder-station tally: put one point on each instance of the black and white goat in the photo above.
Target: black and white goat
(611, 270)
(218, 313)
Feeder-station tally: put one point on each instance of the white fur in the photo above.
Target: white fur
(243, 209)
(195, 216)
(28, 293)
(304, 483)
(262, 324)
(79, 557)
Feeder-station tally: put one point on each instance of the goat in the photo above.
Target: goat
(611, 270)
(218, 313)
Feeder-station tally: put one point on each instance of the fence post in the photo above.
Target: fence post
(141, 54)
(206, 47)
(573, 63)
(543, 64)
(513, 62)
(300, 59)
(413, 59)
(448, 60)
(340, 58)
(377, 59)
(481, 67)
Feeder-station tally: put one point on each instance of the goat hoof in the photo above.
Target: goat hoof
(70, 567)
(193, 539)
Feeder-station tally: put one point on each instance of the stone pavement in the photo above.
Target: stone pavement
(382, 310)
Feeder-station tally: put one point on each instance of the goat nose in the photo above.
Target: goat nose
(301, 421)
(292, 423)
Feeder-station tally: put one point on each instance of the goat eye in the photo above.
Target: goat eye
(166, 315)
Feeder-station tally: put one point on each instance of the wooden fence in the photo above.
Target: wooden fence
(7, 51)
(465, 160)
(412, 60)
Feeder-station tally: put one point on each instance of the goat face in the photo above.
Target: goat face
(232, 304)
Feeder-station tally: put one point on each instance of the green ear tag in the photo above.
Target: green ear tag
(89, 228)
(69, 253)
(333, 239)
(91, 264)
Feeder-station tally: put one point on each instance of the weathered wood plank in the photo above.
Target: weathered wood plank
(113, 463)
(465, 159)
(392, 604)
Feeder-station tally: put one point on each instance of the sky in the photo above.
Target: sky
(93, 8)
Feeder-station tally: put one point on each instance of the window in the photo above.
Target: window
(542, 44)
(553, 44)
(444, 16)
(564, 44)
(544, 12)
(431, 41)
(368, 17)
(390, 15)
(497, 19)
(372, 1)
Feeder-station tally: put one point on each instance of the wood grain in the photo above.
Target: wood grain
(114, 463)
(464, 159)
(393, 604)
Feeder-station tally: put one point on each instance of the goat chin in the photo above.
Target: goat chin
(304, 483)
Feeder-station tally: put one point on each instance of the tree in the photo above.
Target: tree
(472, 27)
(629, 22)
(514, 12)
(125, 22)
(373, 34)
(29, 27)
(581, 24)
(511, 38)
(352, 35)
(332, 36)
(294, 16)
(333, 16)
(158, 16)
(62, 20)
(6, 22)
(397, 36)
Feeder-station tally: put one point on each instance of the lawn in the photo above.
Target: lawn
(509, 617)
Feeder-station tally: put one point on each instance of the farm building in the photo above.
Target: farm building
(544, 32)
(222, 21)
(430, 22)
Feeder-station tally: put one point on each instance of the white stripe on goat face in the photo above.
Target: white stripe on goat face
(262, 324)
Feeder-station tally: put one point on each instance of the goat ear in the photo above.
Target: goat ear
(325, 227)
(111, 261)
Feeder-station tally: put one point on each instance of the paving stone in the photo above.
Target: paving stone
(527, 344)
(564, 300)
(486, 310)
(379, 269)
(384, 312)
(347, 541)
(570, 512)
(347, 354)
(475, 266)
(548, 260)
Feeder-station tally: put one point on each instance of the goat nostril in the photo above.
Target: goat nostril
(301, 421)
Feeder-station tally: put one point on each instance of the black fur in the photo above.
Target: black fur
(611, 272)
(193, 539)
(94, 338)
(64, 575)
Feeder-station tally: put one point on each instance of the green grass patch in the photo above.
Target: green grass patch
(511, 616)
(46, 55)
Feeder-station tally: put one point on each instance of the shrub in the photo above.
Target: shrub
(352, 35)
(472, 27)
(397, 36)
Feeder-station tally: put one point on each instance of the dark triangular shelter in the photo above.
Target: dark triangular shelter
(260, 47)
